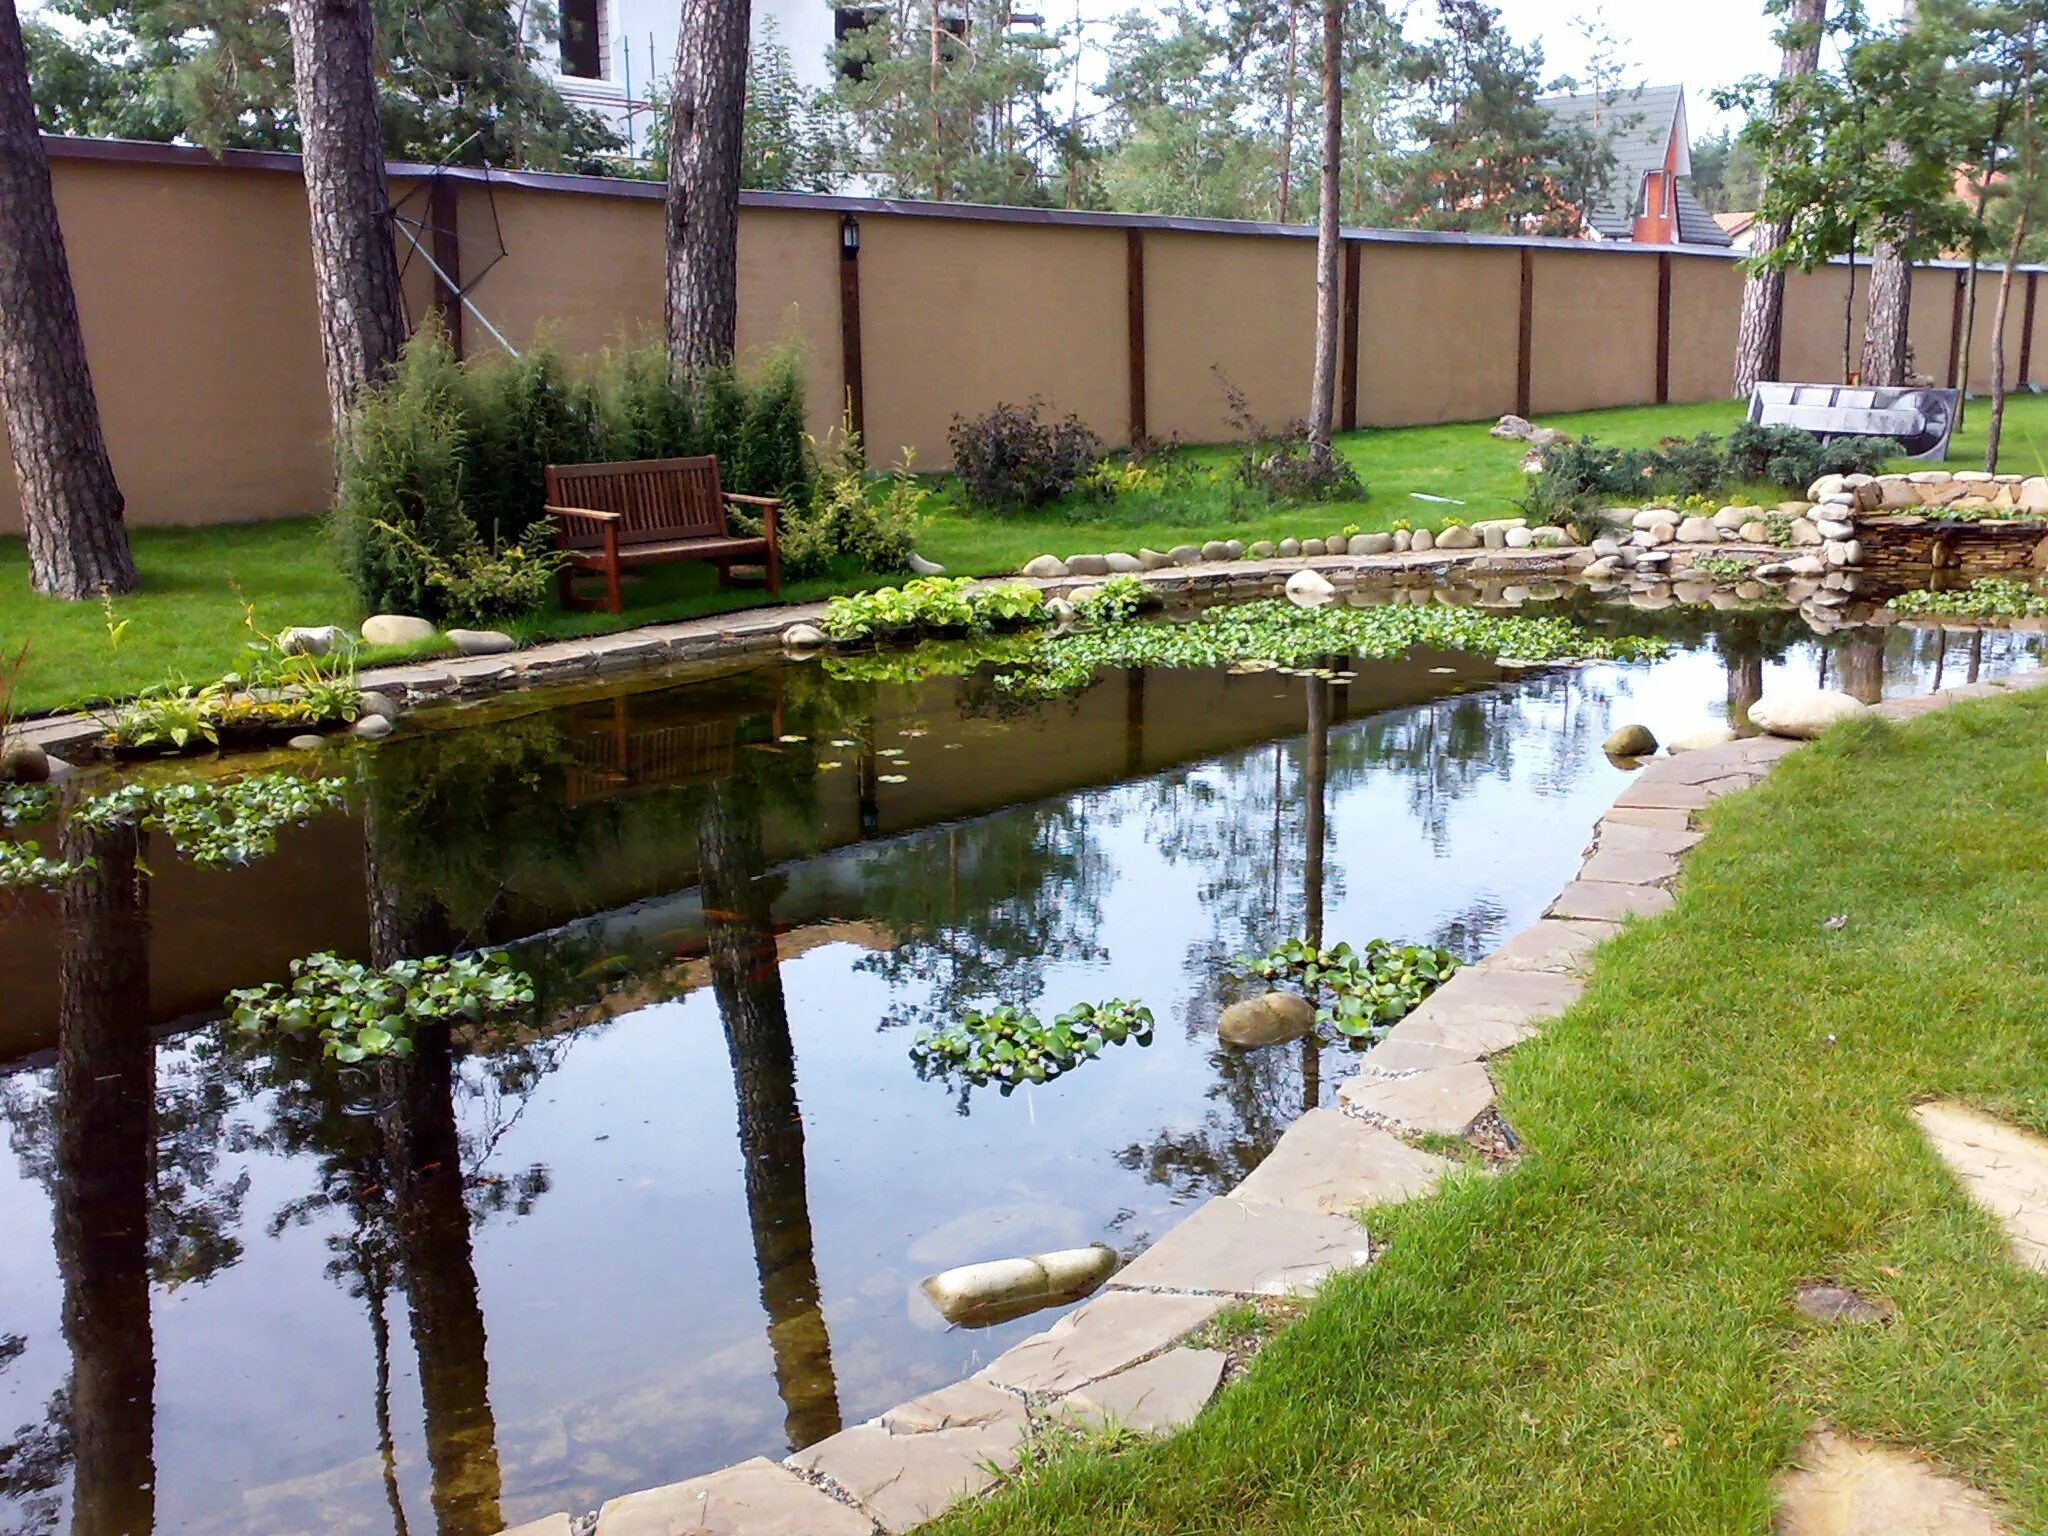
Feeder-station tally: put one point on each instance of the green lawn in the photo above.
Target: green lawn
(1600, 1339)
(187, 620)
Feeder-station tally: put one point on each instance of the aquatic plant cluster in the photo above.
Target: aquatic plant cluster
(215, 825)
(361, 1012)
(1358, 992)
(1283, 634)
(1007, 1046)
(1990, 597)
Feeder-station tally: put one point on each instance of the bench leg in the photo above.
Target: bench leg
(613, 603)
(724, 574)
(774, 571)
(565, 586)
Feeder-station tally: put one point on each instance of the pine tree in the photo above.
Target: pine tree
(707, 119)
(71, 505)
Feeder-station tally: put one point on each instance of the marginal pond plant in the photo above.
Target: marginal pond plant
(1282, 634)
(1989, 597)
(932, 605)
(360, 1012)
(1357, 992)
(1007, 1046)
(1118, 600)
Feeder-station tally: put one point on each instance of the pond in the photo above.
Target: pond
(682, 1219)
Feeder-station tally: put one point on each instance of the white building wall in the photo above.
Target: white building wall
(640, 50)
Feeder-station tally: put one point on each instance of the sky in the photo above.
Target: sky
(1698, 44)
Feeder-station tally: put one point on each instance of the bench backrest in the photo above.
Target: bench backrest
(660, 500)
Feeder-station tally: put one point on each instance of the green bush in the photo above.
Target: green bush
(846, 522)
(402, 467)
(442, 470)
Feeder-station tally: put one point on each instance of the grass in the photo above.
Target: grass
(1600, 1338)
(187, 620)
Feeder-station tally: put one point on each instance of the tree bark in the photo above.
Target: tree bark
(355, 268)
(1890, 307)
(1282, 206)
(1994, 427)
(1760, 339)
(70, 504)
(746, 976)
(106, 1077)
(1322, 400)
(706, 117)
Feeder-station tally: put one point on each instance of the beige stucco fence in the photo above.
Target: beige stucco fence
(197, 296)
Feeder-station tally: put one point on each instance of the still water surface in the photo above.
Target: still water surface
(682, 1220)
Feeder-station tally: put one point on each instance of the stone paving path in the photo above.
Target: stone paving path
(1298, 1218)
(2005, 1170)
(1841, 1486)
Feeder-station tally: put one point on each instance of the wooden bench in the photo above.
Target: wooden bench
(610, 517)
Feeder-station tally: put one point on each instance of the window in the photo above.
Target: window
(583, 39)
(849, 25)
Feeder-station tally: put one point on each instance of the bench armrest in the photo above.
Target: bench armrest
(754, 501)
(584, 514)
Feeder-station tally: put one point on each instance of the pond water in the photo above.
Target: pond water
(682, 1220)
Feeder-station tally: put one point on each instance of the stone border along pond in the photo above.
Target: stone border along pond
(1633, 556)
(1123, 1356)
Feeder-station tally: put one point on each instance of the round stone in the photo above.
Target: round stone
(395, 629)
(1630, 741)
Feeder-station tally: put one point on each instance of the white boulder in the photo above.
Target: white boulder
(1803, 716)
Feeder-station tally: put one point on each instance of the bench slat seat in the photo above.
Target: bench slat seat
(611, 517)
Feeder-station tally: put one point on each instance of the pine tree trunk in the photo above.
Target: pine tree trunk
(1883, 362)
(1322, 400)
(70, 503)
(1890, 307)
(706, 118)
(1284, 204)
(1759, 340)
(355, 269)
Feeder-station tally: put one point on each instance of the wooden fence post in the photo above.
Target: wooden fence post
(1347, 408)
(849, 323)
(444, 241)
(1134, 329)
(1525, 333)
(1663, 327)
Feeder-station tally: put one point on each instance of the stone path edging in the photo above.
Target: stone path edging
(1285, 1228)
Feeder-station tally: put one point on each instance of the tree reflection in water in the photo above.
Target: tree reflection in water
(746, 975)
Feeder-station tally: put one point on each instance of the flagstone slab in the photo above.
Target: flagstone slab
(1109, 1334)
(1842, 1486)
(1156, 1398)
(1601, 901)
(1403, 1058)
(1629, 866)
(1559, 946)
(1482, 1011)
(755, 1498)
(1646, 816)
(546, 1525)
(1629, 838)
(1242, 1249)
(1664, 795)
(1330, 1163)
(1443, 1101)
(2004, 1168)
(917, 1461)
